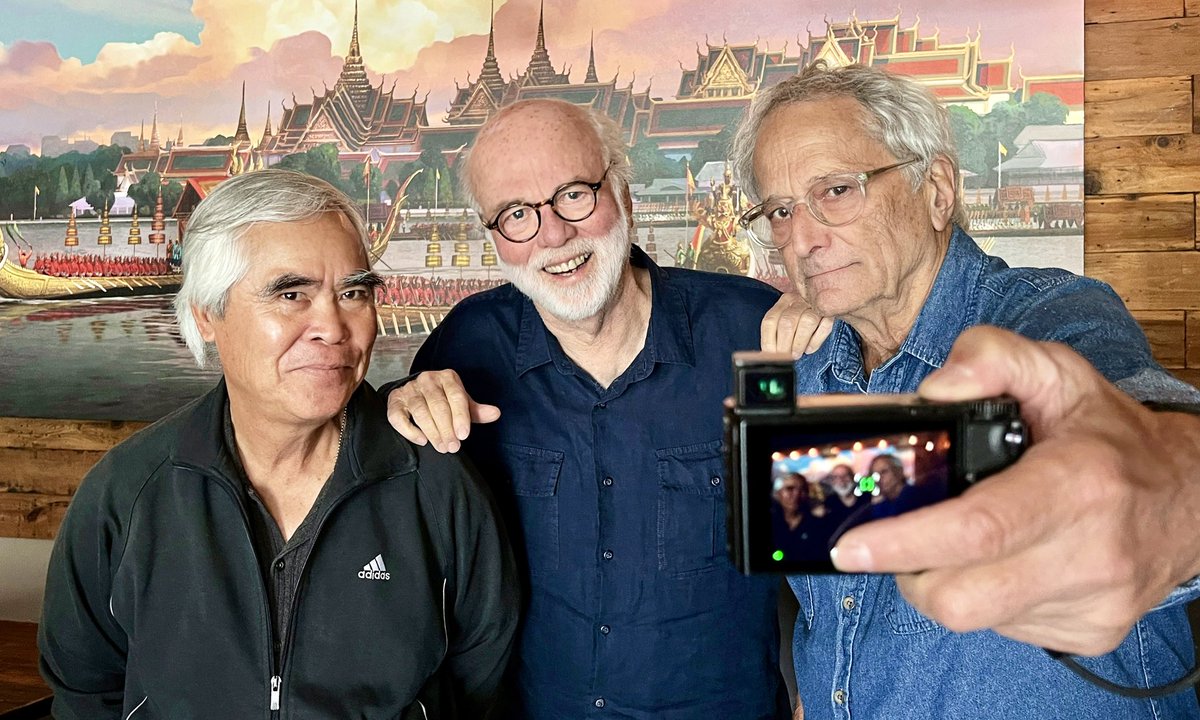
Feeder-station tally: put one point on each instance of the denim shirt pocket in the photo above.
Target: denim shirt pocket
(691, 508)
(904, 618)
(533, 476)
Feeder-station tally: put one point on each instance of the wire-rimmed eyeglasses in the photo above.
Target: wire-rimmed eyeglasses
(574, 202)
(834, 200)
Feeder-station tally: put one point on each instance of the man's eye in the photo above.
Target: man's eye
(290, 295)
(517, 214)
(779, 213)
(834, 192)
(570, 195)
(356, 294)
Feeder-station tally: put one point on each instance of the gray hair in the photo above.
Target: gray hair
(606, 131)
(214, 257)
(901, 113)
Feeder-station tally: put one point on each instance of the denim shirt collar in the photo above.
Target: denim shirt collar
(668, 340)
(949, 309)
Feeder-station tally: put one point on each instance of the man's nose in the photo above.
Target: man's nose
(554, 231)
(328, 321)
(807, 233)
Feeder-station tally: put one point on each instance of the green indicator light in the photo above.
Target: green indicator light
(867, 483)
(771, 388)
(777, 555)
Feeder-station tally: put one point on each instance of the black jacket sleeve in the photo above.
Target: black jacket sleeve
(482, 594)
(82, 647)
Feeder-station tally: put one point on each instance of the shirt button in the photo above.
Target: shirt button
(599, 702)
(608, 482)
(601, 405)
(608, 555)
(279, 564)
(604, 629)
(839, 697)
(716, 480)
(848, 603)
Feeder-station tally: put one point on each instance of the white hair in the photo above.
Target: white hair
(900, 113)
(214, 257)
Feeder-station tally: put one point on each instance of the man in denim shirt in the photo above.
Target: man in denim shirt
(858, 174)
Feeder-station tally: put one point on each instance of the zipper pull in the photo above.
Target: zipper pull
(276, 681)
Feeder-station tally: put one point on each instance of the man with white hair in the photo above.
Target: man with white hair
(610, 372)
(857, 175)
(274, 546)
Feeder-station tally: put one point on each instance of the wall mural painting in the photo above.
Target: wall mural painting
(115, 123)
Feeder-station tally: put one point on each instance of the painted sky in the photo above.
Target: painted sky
(80, 68)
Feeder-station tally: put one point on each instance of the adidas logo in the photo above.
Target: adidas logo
(375, 570)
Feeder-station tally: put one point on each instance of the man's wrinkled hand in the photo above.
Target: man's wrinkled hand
(434, 408)
(791, 326)
(1070, 546)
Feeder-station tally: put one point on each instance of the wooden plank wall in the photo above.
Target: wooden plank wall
(1142, 177)
(1142, 167)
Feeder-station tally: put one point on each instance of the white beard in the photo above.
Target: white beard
(583, 300)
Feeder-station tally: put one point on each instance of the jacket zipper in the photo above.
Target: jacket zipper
(277, 668)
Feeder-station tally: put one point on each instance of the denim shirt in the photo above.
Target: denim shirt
(615, 498)
(861, 651)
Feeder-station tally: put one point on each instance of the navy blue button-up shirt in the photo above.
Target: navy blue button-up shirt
(615, 498)
(861, 650)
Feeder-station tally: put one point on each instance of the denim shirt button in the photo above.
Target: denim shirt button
(848, 602)
(608, 482)
(608, 554)
(839, 696)
(599, 702)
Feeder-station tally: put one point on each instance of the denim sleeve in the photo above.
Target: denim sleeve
(1082, 313)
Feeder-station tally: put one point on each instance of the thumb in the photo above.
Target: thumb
(984, 361)
(481, 413)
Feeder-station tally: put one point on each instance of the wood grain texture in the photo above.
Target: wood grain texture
(35, 433)
(1140, 223)
(1141, 49)
(1148, 106)
(1189, 376)
(20, 683)
(1191, 8)
(1143, 164)
(1192, 326)
(1165, 332)
(1101, 11)
(1150, 281)
(31, 515)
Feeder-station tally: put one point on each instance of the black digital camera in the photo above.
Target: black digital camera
(805, 470)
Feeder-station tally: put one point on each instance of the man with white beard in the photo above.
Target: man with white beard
(610, 372)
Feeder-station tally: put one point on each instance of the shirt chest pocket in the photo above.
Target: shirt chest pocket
(533, 477)
(691, 508)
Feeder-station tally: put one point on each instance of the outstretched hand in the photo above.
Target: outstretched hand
(1070, 546)
(434, 408)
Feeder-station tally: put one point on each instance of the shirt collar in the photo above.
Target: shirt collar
(948, 310)
(669, 339)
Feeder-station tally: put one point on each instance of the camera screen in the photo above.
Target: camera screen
(818, 486)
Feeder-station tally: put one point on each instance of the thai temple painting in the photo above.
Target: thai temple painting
(113, 128)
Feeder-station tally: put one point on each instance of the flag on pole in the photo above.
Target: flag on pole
(437, 174)
(1000, 147)
(691, 180)
(37, 190)
(367, 169)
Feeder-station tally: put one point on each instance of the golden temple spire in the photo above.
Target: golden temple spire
(490, 77)
(591, 71)
(154, 144)
(135, 230)
(242, 135)
(354, 73)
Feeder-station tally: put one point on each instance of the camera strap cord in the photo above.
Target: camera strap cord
(1134, 692)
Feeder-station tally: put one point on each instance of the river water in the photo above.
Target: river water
(122, 358)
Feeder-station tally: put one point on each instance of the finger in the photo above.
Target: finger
(803, 327)
(819, 336)
(431, 413)
(482, 413)
(452, 407)
(769, 330)
(401, 422)
(1001, 515)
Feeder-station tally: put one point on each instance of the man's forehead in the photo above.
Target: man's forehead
(533, 153)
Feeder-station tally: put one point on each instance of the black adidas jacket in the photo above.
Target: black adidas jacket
(155, 606)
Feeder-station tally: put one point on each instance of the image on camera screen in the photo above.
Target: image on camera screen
(819, 490)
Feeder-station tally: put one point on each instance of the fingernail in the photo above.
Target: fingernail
(851, 557)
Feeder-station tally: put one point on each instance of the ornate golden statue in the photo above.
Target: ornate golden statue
(722, 251)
